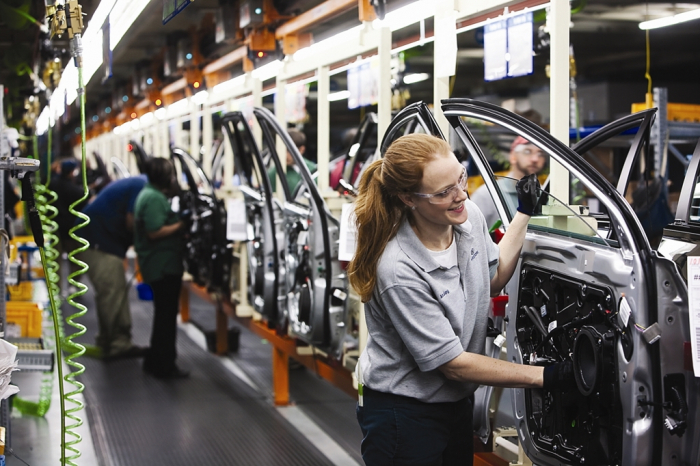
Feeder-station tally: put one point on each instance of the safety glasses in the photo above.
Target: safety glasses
(448, 195)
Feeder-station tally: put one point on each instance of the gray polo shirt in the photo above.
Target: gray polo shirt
(422, 316)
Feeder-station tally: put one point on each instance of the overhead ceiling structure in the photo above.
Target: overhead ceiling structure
(154, 64)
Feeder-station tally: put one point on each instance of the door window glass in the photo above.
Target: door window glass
(505, 157)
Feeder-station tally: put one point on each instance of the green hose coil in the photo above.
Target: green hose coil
(45, 198)
(75, 349)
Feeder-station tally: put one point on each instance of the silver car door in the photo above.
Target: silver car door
(205, 220)
(265, 268)
(680, 241)
(582, 291)
(316, 285)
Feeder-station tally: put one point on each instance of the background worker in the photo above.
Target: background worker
(293, 176)
(525, 159)
(425, 268)
(159, 246)
(110, 234)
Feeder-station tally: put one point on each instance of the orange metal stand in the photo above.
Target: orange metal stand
(489, 459)
(184, 304)
(283, 346)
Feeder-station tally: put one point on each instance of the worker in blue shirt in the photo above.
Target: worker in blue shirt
(110, 234)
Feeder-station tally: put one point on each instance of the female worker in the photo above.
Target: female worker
(159, 247)
(425, 266)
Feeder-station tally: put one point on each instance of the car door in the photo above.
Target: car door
(585, 290)
(140, 154)
(363, 148)
(263, 217)
(414, 118)
(681, 240)
(316, 285)
(217, 164)
(119, 169)
(206, 252)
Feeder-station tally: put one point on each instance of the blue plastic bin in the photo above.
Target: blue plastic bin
(145, 292)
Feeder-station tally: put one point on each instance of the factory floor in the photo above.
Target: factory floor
(223, 414)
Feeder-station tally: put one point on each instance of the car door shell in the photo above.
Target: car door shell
(642, 443)
(140, 155)
(316, 286)
(263, 248)
(349, 164)
(206, 245)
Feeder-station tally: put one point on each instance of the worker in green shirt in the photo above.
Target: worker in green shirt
(158, 241)
(293, 175)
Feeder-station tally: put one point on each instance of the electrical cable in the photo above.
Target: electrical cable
(12, 452)
(47, 212)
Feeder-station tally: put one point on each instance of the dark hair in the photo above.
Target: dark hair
(297, 136)
(378, 209)
(160, 172)
(68, 165)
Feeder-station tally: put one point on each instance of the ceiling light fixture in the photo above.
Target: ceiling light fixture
(670, 20)
(407, 15)
(340, 95)
(415, 78)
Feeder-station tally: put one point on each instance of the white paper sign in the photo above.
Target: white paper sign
(363, 83)
(236, 224)
(295, 96)
(495, 50)
(348, 233)
(694, 309)
(520, 45)
(446, 45)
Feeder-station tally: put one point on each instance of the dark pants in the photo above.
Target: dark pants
(166, 305)
(398, 430)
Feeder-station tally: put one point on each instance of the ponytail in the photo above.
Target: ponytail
(378, 218)
(379, 211)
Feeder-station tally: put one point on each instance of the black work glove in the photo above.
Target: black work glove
(559, 376)
(530, 195)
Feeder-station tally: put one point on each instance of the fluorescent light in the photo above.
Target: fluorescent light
(146, 118)
(177, 107)
(230, 84)
(122, 17)
(340, 95)
(92, 54)
(405, 16)
(42, 123)
(267, 71)
(161, 113)
(200, 97)
(415, 78)
(327, 44)
(670, 20)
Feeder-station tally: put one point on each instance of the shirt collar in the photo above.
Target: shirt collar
(411, 245)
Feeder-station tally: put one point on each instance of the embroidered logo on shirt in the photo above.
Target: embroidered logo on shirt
(444, 293)
(474, 254)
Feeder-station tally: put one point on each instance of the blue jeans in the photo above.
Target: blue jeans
(398, 430)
